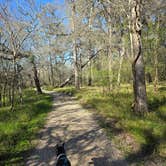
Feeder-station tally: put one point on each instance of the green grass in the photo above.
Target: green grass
(137, 136)
(19, 128)
(49, 88)
(66, 90)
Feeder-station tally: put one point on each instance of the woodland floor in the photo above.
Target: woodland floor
(86, 142)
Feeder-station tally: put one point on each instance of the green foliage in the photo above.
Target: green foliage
(19, 128)
(49, 88)
(153, 39)
(102, 77)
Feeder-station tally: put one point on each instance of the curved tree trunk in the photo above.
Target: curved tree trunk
(140, 96)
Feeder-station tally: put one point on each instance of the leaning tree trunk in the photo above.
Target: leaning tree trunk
(69, 80)
(140, 96)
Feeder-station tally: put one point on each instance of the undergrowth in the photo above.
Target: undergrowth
(139, 137)
(20, 127)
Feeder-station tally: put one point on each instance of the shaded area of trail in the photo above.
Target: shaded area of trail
(86, 142)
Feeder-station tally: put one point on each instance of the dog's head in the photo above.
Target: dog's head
(60, 149)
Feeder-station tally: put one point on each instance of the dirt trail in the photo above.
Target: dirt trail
(86, 142)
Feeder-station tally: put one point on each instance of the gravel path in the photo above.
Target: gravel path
(86, 142)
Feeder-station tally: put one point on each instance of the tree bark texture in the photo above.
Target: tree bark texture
(75, 55)
(139, 87)
(156, 58)
(36, 79)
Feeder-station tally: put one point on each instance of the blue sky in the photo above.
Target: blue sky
(37, 2)
(15, 3)
(52, 1)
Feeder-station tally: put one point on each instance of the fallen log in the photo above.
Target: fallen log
(69, 79)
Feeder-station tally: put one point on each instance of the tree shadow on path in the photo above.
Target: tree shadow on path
(86, 144)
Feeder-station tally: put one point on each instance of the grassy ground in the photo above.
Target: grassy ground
(19, 128)
(140, 138)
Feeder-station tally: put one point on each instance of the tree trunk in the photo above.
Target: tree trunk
(90, 47)
(120, 66)
(0, 98)
(110, 62)
(121, 56)
(156, 58)
(75, 55)
(4, 93)
(140, 96)
(9, 94)
(90, 66)
(52, 72)
(13, 83)
(148, 77)
(76, 67)
(156, 72)
(81, 72)
(36, 79)
(130, 31)
(20, 86)
(90, 73)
